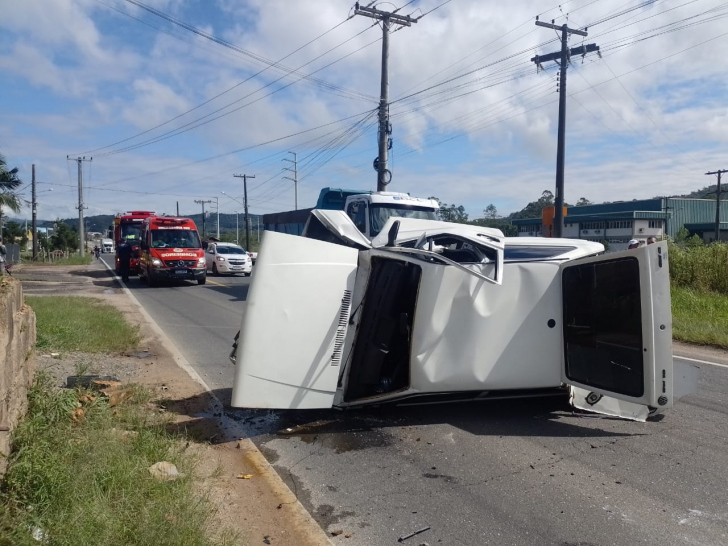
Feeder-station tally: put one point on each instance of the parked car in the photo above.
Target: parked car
(227, 258)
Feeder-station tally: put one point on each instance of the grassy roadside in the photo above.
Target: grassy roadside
(75, 323)
(699, 316)
(79, 475)
(71, 260)
(79, 471)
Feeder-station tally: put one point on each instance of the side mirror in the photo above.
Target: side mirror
(392, 235)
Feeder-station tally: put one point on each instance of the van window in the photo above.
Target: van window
(175, 238)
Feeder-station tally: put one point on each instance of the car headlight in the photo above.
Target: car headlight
(156, 262)
(220, 259)
(200, 261)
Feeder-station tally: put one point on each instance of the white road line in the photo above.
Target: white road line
(701, 361)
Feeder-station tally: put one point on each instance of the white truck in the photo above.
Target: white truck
(107, 246)
(369, 211)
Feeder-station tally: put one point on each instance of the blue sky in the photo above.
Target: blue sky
(648, 118)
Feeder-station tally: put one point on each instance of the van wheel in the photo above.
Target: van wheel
(203, 280)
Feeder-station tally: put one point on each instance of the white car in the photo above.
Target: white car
(430, 311)
(227, 258)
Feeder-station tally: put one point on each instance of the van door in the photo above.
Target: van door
(617, 331)
(294, 325)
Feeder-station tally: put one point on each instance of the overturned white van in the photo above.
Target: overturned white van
(432, 311)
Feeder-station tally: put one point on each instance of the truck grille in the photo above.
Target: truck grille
(180, 263)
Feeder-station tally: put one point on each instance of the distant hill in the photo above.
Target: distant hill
(101, 222)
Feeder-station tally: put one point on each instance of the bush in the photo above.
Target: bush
(700, 267)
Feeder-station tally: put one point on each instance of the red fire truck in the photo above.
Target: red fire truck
(128, 226)
(170, 250)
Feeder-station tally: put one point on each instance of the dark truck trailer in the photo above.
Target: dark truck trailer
(290, 222)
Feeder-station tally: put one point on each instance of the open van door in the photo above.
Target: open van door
(617, 332)
(294, 325)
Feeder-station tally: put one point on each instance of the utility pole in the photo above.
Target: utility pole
(245, 206)
(294, 170)
(81, 230)
(34, 206)
(177, 208)
(388, 18)
(237, 229)
(563, 57)
(202, 202)
(717, 203)
(217, 208)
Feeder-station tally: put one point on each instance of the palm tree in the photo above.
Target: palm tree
(9, 182)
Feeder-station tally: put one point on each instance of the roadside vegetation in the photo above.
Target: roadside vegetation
(77, 323)
(699, 276)
(70, 260)
(79, 474)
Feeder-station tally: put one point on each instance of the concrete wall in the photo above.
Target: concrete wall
(17, 360)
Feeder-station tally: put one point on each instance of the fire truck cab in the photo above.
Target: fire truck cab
(171, 249)
(127, 227)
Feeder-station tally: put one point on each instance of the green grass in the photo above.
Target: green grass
(82, 483)
(76, 323)
(699, 316)
(71, 260)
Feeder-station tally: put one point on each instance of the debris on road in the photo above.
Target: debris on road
(414, 533)
(244, 476)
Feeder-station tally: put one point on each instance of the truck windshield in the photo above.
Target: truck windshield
(131, 232)
(379, 213)
(175, 238)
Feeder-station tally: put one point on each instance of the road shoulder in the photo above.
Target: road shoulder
(260, 507)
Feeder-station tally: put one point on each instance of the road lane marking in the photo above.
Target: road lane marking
(701, 361)
(218, 284)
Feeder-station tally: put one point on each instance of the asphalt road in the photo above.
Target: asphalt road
(523, 472)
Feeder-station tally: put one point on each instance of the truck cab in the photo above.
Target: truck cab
(370, 211)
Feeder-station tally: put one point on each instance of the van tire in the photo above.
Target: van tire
(201, 281)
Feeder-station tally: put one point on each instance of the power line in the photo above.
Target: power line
(269, 65)
(199, 123)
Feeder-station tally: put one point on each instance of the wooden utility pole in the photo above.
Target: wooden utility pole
(245, 206)
(34, 206)
(388, 18)
(717, 202)
(202, 202)
(563, 58)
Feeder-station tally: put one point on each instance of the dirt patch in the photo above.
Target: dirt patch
(247, 505)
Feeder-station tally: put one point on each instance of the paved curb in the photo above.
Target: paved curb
(303, 522)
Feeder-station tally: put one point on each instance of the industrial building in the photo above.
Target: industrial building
(618, 222)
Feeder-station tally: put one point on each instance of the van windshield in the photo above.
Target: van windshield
(230, 250)
(175, 238)
(380, 213)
